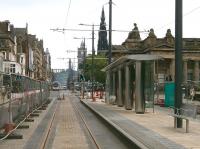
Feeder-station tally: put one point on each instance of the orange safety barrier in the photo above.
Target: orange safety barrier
(8, 127)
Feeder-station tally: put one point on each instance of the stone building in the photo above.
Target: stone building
(82, 53)
(22, 47)
(164, 47)
(47, 65)
(23, 53)
(8, 48)
(38, 52)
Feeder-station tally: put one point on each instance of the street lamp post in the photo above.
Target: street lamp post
(84, 69)
(110, 32)
(93, 62)
(92, 74)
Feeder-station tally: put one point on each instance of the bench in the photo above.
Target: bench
(186, 112)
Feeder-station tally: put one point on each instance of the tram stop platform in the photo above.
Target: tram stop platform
(154, 130)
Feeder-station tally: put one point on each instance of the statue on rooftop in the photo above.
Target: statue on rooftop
(134, 34)
(151, 33)
(169, 37)
(169, 34)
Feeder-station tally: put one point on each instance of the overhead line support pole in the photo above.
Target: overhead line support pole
(84, 61)
(110, 32)
(178, 59)
(93, 62)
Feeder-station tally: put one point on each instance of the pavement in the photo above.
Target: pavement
(31, 135)
(153, 130)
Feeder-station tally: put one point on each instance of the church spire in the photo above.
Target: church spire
(102, 15)
(102, 42)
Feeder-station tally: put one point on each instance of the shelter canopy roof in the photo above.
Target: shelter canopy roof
(134, 58)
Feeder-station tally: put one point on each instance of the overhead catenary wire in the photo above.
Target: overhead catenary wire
(67, 16)
(184, 15)
(85, 30)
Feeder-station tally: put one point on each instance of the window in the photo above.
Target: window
(12, 68)
(21, 60)
(6, 68)
(4, 54)
(9, 27)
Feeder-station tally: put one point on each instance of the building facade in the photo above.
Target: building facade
(164, 70)
(22, 45)
(23, 53)
(8, 48)
(47, 65)
(82, 53)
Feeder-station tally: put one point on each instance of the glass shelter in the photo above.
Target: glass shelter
(130, 81)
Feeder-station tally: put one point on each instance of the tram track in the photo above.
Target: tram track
(44, 143)
(85, 124)
(97, 133)
(50, 133)
(105, 135)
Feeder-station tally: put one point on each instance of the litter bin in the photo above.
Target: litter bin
(169, 94)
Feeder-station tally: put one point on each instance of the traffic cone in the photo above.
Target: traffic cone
(8, 127)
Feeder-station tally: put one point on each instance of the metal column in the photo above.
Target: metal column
(128, 103)
(110, 33)
(139, 89)
(114, 87)
(119, 100)
(107, 88)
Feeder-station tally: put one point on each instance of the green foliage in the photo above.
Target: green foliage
(80, 66)
(100, 62)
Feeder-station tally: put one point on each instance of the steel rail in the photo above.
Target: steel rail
(49, 128)
(86, 125)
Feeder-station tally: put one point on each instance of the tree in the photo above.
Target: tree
(100, 62)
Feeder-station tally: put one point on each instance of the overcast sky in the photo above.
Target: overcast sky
(42, 15)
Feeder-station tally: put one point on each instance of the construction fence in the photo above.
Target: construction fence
(19, 96)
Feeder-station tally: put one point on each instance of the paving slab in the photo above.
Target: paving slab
(154, 130)
(69, 133)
